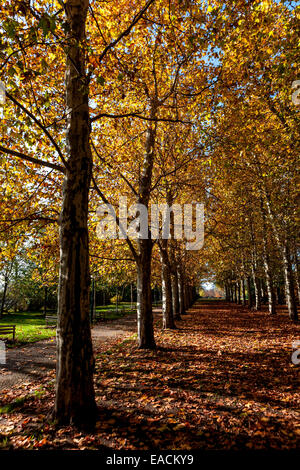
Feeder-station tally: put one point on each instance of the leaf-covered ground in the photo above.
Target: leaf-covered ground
(223, 380)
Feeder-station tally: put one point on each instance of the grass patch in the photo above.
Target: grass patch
(109, 312)
(30, 327)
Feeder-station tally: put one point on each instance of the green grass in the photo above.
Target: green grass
(30, 327)
(126, 305)
(110, 312)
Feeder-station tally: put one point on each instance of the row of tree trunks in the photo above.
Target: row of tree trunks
(283, 245)
(259, 289)
(167, 301)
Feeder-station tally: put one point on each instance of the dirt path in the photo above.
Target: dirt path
(34, 360)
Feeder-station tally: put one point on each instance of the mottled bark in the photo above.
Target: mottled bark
(144, 303)
(75, 400)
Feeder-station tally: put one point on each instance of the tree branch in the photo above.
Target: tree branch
(133, 251)
(126, 32)
(139, 116)
(40, 125)
(14, 153)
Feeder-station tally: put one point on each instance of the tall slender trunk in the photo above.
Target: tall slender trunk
(238, 292)
(279, 295)
(144, 302)
(231, 292)
(243, 293)
(283, 246)
(4, 295)
(186, 297)
(117, 299)
(75, 400)
(266, 262)
(181, 291)
(254, 270)
(256, 289)
(297, 270)
(269, 284)
(250, 297)
(45, 301)
(234, 293)
(226, 291)
(289, 282)
(175, 295)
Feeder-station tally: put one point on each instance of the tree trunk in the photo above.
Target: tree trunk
(167, 306)
(238, 292)
(289, 283)
(45, 301)
(250, 298)
(226, 291)
(144, 301)
(243, 293)
(181, 292)
(75, 399)
(256, 287)
(286, 261)
(269, 280)
(4, 295)
(186, 297)
(230, 292)
(131, 296)
(297, 271)
(279, 295)
(175, 295)
(117, 299)
(234, 293)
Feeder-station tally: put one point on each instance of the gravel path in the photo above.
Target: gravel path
(33, 361)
